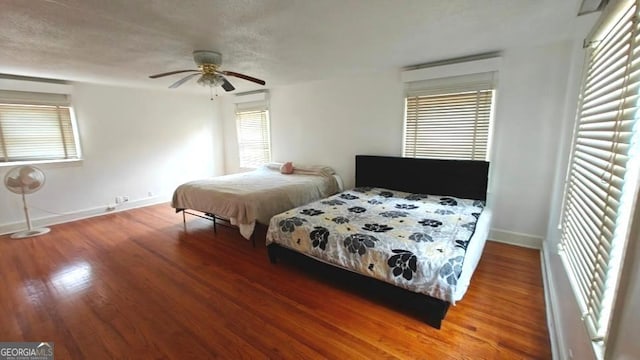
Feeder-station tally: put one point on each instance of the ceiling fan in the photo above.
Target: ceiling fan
(208, 63)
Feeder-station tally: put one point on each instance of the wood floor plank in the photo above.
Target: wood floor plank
(136, 284)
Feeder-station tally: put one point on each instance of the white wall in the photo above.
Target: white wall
(529, 109)
(133, 142)
(329, 122)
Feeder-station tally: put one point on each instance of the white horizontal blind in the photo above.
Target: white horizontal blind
(254, 140)
(36, 132)
(449, 125)
(597, 212)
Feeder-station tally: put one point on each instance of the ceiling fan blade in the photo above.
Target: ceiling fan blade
(183, 80)
(226, 85)
(171, 73)
(243, 76)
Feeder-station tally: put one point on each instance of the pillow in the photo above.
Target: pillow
(314, 170)
(272, 166)
(286, 168)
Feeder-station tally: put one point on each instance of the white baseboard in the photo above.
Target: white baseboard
(9, 228)
(518, 239)
(551, 301)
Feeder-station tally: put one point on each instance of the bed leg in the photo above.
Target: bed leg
(273, 254)
(253, 239)
(434, 321)
(437, 314)
(184, 221)
(215, 230)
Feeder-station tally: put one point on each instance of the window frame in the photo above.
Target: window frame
(13, 99)
(455, 76)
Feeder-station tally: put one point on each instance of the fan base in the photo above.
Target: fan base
(30, 233)
(201, 57)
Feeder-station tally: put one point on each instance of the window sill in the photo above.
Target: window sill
(46, 163)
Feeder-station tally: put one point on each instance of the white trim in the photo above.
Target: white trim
(450, 70)
(250, 97)
(553, 321)
(35, 86)
(39, 162)
(517, 239)
(9, 228)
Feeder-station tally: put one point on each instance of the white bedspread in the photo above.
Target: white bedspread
(254, 196)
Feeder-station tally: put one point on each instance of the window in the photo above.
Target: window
(449, 118)
(254, 140)
(603, 172)
(36, 127)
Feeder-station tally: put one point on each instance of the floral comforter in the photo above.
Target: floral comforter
(414, 241)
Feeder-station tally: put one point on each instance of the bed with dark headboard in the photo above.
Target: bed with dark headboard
(387, 224)
(460, 178)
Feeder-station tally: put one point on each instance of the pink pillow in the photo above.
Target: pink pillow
(286, 168)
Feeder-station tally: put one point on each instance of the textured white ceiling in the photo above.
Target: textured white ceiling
(280, 41)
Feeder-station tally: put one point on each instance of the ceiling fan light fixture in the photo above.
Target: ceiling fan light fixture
(210, 80)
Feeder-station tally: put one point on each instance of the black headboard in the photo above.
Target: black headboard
(460, 178)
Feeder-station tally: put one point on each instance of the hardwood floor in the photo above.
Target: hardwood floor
(135, 285)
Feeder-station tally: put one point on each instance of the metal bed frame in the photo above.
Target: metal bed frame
(213, 218)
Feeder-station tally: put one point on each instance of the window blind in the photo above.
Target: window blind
(36, 132)
(603, 174)
(254, 140)
(449, 118)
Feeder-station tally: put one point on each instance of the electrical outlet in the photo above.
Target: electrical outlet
(119, 200)
(125, 198)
